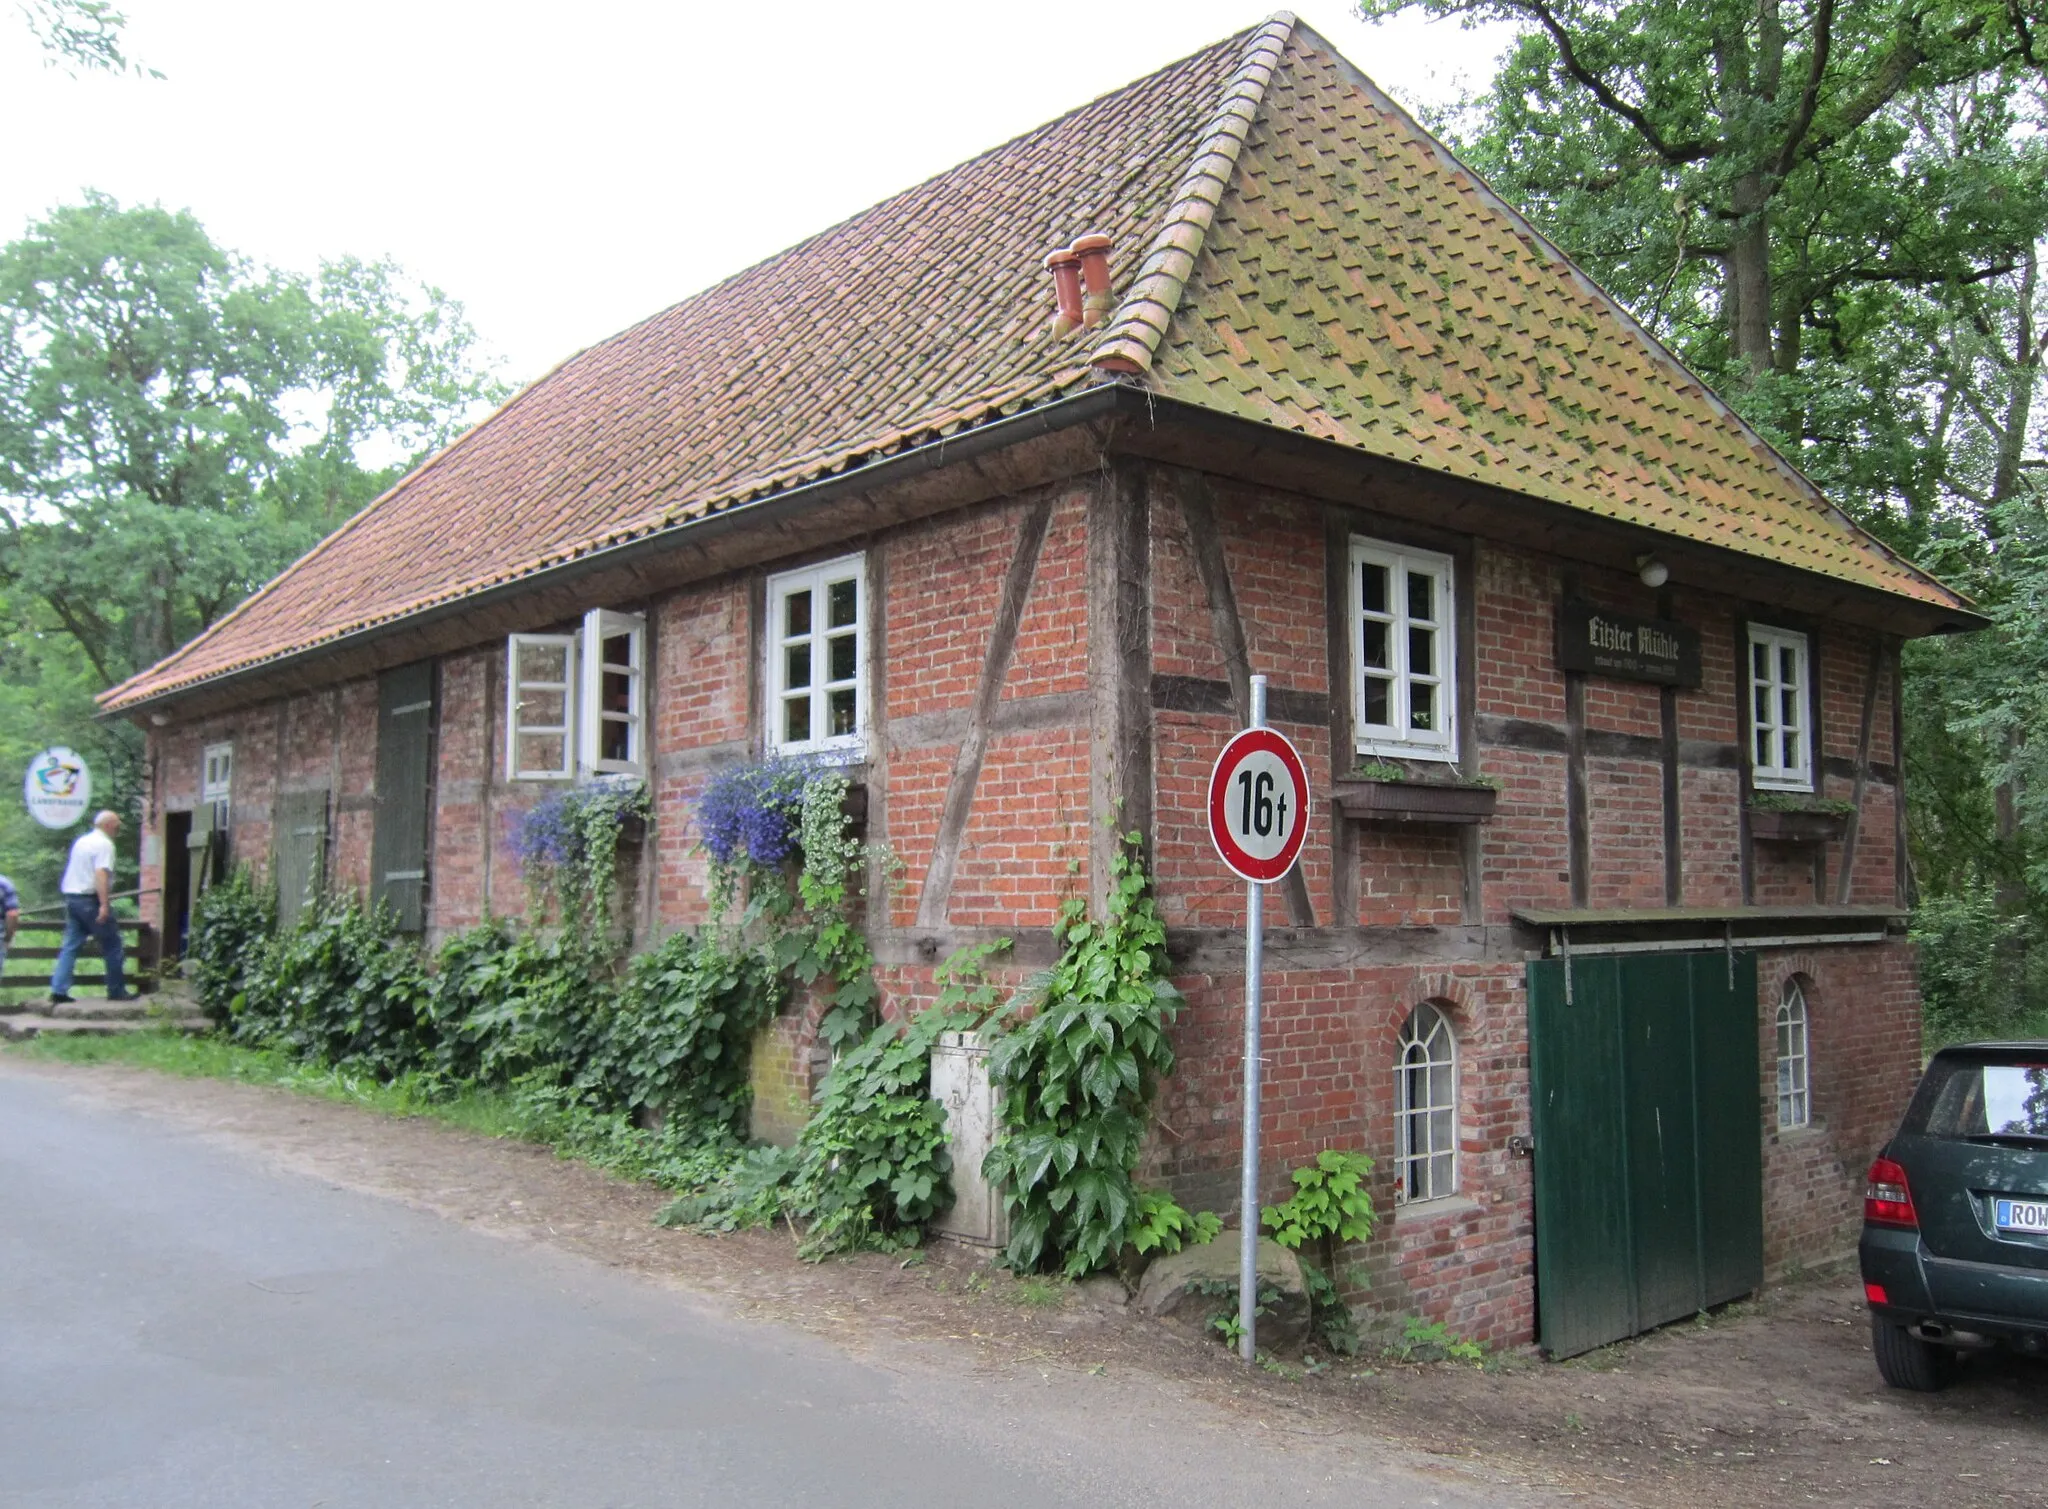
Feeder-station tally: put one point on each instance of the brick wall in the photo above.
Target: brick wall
(703, 694)
(464, 745)
(1025, 842)
(1330, 1044)
(1864, 1051)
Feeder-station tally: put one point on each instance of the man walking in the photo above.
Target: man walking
(88, 888)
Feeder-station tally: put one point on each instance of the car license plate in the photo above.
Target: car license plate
(2020, 1215)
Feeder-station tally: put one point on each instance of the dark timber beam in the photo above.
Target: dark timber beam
(1198, 512)
(1902, 860)
(1667, 717)
(1745, 751)
(995, 668)
(1855, 828)
(1343, 738)
(1119, 667)
(1578, 816)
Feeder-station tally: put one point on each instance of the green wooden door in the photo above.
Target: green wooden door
(1649, 1171)
(405, 774)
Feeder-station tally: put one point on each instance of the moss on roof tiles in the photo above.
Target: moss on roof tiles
(1310, 259)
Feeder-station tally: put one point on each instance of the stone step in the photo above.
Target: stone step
(19, 1027)
(100, 1009)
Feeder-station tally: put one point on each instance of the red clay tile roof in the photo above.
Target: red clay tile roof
(1313, 260)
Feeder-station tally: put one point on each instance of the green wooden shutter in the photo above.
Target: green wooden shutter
(201, 845)
(405, 772)
(301, 857)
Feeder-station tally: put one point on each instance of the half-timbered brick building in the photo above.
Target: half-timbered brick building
(1596, 944)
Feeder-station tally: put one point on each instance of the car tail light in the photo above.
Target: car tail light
(1886, 1199)
(1875, 1294)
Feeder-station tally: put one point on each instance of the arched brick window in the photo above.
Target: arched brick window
(1795, 1103)
(1426, 1107)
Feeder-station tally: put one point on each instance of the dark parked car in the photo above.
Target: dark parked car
(1955, 1218)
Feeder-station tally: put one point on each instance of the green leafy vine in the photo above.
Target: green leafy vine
(1077, 1080)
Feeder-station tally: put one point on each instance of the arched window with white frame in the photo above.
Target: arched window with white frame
(1426, 1108)
(1795, 1103)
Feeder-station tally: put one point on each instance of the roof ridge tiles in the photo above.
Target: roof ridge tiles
(1139, 324)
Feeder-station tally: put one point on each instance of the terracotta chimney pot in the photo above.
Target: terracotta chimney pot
(1065, 267)
(1096, 300)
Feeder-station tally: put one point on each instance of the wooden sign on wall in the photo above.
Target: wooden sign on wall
(1626, 646)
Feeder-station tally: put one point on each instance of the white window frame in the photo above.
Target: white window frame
(1395, 739)
(1425, 1171)
(817, 580)
(515, 725)
(1768, 725)
(600, 624)
(1795, 1058)
(217, 782)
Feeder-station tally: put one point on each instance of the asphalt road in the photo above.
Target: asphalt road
(181, 1324)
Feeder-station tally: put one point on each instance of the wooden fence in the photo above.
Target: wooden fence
(33, 954)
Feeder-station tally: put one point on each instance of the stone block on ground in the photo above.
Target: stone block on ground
(1175, 1287)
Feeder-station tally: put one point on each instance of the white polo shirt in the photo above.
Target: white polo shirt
(93, 852)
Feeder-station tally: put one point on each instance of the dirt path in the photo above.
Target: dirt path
(1774, 1402)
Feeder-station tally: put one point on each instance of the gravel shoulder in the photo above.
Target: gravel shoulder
(1775, 1401)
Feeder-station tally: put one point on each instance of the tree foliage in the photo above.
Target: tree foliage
(80, 36)
(1835, 213)
(178, 423)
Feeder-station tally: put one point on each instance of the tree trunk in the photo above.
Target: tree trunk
(1749, 276)
(2019, 400)
(153, 620)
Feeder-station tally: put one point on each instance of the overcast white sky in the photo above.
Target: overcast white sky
(567, 170)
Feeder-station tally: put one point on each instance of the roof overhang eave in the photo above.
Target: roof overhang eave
(1081, 406)
(1105, 400)
(1913, 616)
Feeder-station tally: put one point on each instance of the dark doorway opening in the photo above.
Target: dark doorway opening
(177, 882)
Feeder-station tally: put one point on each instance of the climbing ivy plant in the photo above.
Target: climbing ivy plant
(781, 856)
(568, 846)
(1077, 1078)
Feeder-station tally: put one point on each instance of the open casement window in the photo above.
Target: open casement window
(817, 651)
(1403, 653)
(1780, 715)
(1426, 1108)
(540, 717)
(612, 699)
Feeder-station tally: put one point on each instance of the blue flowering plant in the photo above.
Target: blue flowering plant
(776, 831)
(568, 848)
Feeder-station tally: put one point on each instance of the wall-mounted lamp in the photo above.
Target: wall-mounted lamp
(158, 720)
(1653, 571)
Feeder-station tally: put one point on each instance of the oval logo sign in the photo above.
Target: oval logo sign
(58, 787)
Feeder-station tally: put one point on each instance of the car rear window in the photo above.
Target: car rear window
(1983, 1096)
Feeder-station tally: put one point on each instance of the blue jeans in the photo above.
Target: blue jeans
(81, 921)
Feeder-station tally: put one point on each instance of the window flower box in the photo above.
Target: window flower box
(1783, 825)
(1375, 801)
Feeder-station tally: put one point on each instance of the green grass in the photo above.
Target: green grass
(551, 1118)
(1039, 1293)
(493, 1113)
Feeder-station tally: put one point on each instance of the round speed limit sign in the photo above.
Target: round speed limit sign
(1258, 804)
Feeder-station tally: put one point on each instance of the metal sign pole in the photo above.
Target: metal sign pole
(1254, 950)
